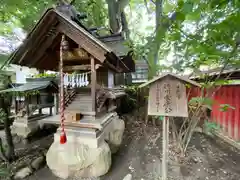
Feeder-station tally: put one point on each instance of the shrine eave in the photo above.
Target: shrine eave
(39, 49)
(164, 75)
(212, 75)
(32, 86)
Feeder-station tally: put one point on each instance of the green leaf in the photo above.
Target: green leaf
(180, 16)
(203, 101)
(193, 16)
(187, 7)
(225, 107)
(168, 7)
(161, 118)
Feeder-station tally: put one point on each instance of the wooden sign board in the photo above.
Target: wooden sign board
(167, 97)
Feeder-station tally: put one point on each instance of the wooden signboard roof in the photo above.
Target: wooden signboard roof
(164, 75)
(40, 48)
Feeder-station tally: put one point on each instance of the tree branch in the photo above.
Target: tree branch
(146, 4)
(154, 2)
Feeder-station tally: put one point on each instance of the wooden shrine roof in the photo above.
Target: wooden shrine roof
(41, 47)
(180, 78)
(228, 73)
(32, 86)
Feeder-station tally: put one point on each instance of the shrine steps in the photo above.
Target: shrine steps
(74, 97)
(82, 103)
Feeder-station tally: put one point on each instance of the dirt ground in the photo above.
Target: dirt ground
(140, 155)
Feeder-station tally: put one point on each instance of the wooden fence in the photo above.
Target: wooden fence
(224, 96)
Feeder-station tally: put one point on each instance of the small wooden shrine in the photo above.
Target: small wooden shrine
(29, 100)
(91, 89)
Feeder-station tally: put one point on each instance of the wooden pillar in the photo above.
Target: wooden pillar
(93, 83)
(16, 105)
(27, 105)
(56, 103)
(39, 103)
(51, 111)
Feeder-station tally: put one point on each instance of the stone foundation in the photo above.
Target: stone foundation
(87, 152)
(114, 137)
(24, 129)
(78, 160)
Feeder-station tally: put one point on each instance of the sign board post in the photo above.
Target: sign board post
(165, 147)
(167, 97)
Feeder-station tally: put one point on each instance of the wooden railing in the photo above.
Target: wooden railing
(69, 95)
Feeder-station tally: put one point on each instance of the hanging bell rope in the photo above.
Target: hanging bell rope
(63, 47)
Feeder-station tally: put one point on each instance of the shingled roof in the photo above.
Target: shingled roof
(162, 76)
(227, 73)
(32, 86)
(40, 47)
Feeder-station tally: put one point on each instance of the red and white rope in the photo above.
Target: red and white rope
(62, 49)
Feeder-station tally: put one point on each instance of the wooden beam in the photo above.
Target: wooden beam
(48, 61)
(34, 38)
(93, 83)
(76, 54)
(119, 70)
(76, 68)
(80, 67)
(46, 43)
(81, 37)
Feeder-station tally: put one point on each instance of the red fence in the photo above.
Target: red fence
(228, 120)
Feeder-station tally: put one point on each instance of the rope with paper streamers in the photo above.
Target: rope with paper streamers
(63, 48)
(76, 80)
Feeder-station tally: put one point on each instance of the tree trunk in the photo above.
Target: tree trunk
(2, 152)
(157, 29)
(116, 15)
(113, 15)
(10, 154)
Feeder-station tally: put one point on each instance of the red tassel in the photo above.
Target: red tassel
(63, 138)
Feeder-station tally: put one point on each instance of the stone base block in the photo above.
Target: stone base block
(77, 160)
(80, 136)
(114, 138)
(24, 129)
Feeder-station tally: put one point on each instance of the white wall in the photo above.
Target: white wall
(21, 73)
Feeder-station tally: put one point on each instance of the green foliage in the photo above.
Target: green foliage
(196, 33)
(25, 13)
(132, 95)
(161, 118)
(20, 94)
(225, 107)
(3, 58)
(210, 126)
(5, 171)
(44, 75)
(201, 101)
(131, 100)
(3, 115)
